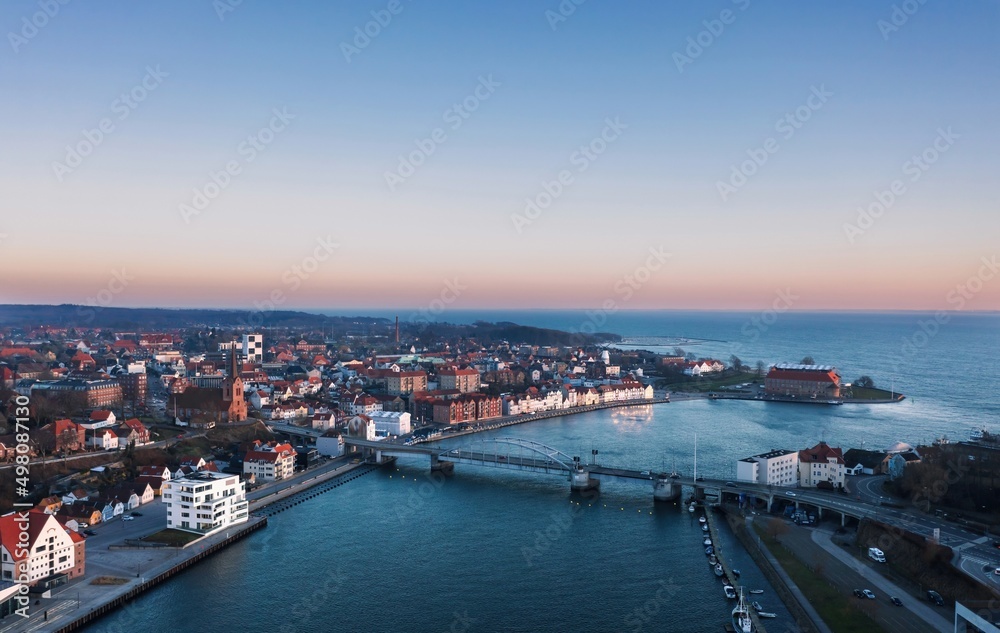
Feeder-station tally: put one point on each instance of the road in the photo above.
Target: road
(847, 577)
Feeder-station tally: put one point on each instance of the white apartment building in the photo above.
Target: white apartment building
(49, 549)
(205, 502)
(822, 464)
(775, 468)
(391, 422)
(253, 348)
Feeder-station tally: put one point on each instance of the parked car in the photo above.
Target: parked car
(868, 593)
(128, 518)
(730, 484)
(896, 601)
(935, 597)
(858, 594)
(137, 514)
(90, 533)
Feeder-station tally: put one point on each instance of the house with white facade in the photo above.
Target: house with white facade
(50, 549)
(205, 502)
(822, 466)
(778, 467)
(105, 439)
(269, 462)
(390, 422)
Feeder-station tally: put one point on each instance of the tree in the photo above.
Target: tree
(865, 382)
(735, 361)
(808, 360)
(760, 369)
(679, 351)
(776, 528)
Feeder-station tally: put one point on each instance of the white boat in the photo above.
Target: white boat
(977, 435)
(704, 528)
(756, 591)
(766, 614)
(691, 508)
(701, 519)
(707, 542)
(712, 560)
(756, 606)
(730, 592)
(741, 616)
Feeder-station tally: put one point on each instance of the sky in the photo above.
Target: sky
(404, 154)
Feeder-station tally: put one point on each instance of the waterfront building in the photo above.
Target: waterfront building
(330, 444)
(779, 467)
(205, 502)
(464, 380)
(391, 422)
(810, 381)
(52, 551)
(269, 462)
(822, 465)
(361, 426)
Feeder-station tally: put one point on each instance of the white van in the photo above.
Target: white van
(876, 555)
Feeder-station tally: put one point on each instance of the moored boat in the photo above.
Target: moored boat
(712, 560)
(719, 571)
(766, 614)
(707, 541)
(730, 591)
(702, 519)
(741, 616)
(756, 606)
(756, 591)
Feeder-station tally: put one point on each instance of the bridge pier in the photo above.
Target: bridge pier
(438, 465)
(581, 480)
(665, 490)
(843, 520)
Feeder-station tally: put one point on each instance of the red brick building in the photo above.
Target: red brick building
(810, 381)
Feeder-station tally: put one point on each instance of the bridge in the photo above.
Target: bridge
(527, 455)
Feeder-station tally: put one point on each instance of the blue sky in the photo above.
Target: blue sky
(556, 84)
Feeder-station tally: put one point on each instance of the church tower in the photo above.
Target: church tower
(232, 388)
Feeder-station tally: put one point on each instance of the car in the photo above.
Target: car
(128, 518)
(645, 473)
(137, 514)
(90, 533)
(790, 493)
(896, 601)
(935, 597)
(868, 594)
(858, 594)
(699, 478)
(730, 484)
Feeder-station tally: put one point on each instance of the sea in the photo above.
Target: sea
(489, 549)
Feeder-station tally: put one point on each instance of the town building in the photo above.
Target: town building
(464, 380)
(253, 348)
(205, 502)
(775, 468)
(822, 466)
(93, 393)
(269, 462)
(51, 552)
(406, 382)
(388, 423)
(805, 381)
(225, 404)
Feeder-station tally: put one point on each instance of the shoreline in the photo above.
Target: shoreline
(505, 421)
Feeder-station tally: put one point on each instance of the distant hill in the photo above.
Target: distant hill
(145, 319)
(68, 315)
